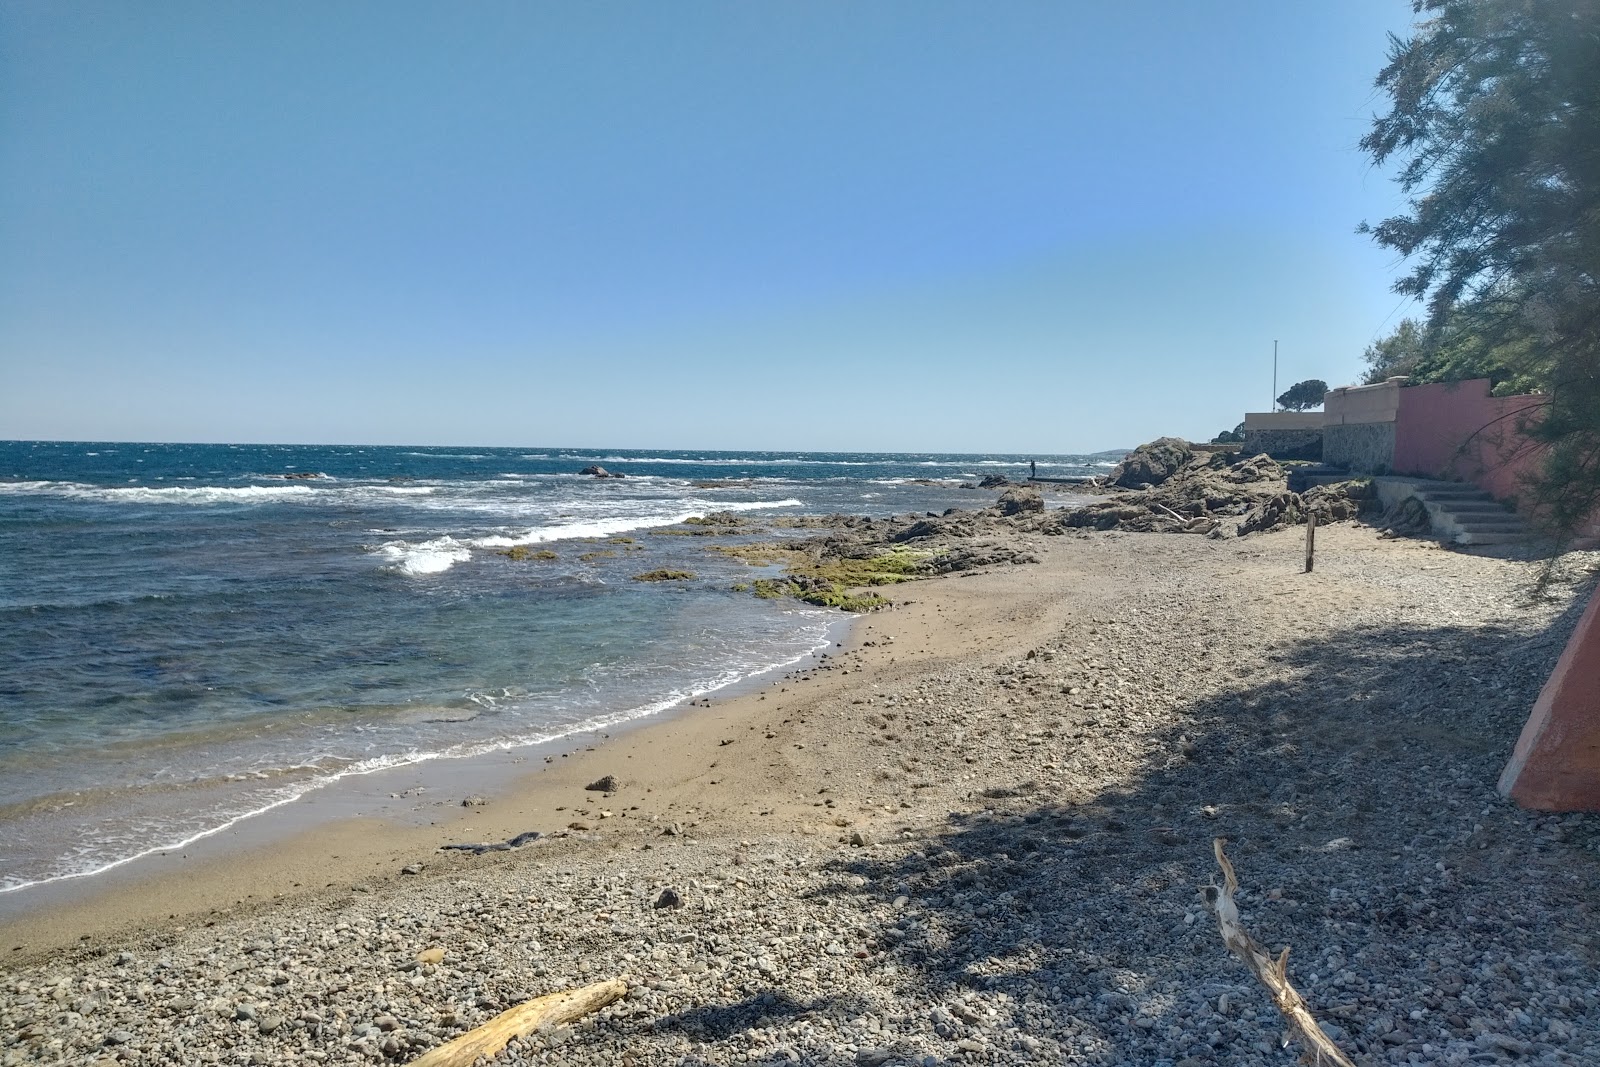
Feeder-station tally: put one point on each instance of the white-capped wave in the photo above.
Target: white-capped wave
(139, 494)
(611, 526)
(429, 557)
(210, 494)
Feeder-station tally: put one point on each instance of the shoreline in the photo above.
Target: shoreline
(975, 832)
(260, 864)
(412, 798)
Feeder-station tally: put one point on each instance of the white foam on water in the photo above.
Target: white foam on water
(620, 524)
(216, 494)
(429, 557)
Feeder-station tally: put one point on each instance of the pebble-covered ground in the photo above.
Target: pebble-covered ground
(1005, 861)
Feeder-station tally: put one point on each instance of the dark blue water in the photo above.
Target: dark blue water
(197, 632)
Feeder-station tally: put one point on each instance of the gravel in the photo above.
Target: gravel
(1006, 864)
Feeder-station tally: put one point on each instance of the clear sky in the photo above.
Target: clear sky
(979, 226)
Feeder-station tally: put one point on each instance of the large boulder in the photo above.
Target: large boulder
(1152, 463)
(1019, 500)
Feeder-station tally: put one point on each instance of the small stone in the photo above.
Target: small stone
(431, 956)
(608, 784)
(669, 898)
(411, 868)
(118, 1037)
(386, 1023)
(474, 802)
(268, 1023)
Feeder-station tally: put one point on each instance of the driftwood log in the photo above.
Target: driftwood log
(553, 1009)
(1272, 973)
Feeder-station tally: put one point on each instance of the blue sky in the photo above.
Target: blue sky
(1026, 226)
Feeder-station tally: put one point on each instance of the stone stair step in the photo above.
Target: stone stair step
(1492, 527)
(1476, 496)
(1475, 507)
(1476, 538)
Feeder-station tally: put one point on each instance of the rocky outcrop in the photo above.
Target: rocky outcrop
(994, 481)
(982, 554)
(1019, 500)
(595, 471)
(1152, 464)
(1209, 495)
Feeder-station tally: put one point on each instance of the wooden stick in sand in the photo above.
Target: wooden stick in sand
(1311, 539)
(553, 1009)
(1272, 973)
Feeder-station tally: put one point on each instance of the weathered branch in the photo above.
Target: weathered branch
(553, 1009)
(1272, 973)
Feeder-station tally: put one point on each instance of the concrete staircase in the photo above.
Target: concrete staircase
(1460, 512)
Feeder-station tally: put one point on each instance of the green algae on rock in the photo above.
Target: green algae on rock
(664, 576)
(523, 552)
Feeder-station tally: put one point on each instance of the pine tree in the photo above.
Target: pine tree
(1494, 122)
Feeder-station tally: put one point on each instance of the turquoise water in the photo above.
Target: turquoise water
(196, 633)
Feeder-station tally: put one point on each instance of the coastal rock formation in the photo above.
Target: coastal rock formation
(1153, 463)
(600, 472)
(994, 481)
(664, 575)
(1019, 499)
(1209, 495)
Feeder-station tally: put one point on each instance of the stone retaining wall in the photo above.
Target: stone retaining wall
(1367, 447)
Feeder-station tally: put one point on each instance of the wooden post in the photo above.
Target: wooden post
(1311, 539)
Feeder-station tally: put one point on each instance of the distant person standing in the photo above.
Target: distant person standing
(1033, 469)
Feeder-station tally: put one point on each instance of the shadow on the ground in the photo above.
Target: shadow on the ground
(1359, 799)
(714, 1022)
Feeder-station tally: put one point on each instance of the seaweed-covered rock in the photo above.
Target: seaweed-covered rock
(1152, 463)
(1019, 499)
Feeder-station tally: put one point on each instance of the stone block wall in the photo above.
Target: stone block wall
(1367, 447)
(1284, 444)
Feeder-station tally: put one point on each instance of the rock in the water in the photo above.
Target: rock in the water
(1153, 463)
(595, 471)
(994, 481)
(608, 784)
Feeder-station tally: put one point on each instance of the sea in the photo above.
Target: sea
(193, 635)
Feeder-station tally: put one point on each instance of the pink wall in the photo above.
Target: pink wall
(1556, 766)
(1457, 430)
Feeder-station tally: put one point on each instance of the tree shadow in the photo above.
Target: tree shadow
(717, 1022)
(1357, 792)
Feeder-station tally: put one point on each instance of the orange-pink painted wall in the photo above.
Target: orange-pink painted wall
(1457, 430)
(1556, 765)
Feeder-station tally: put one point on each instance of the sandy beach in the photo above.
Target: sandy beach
(974, 832)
